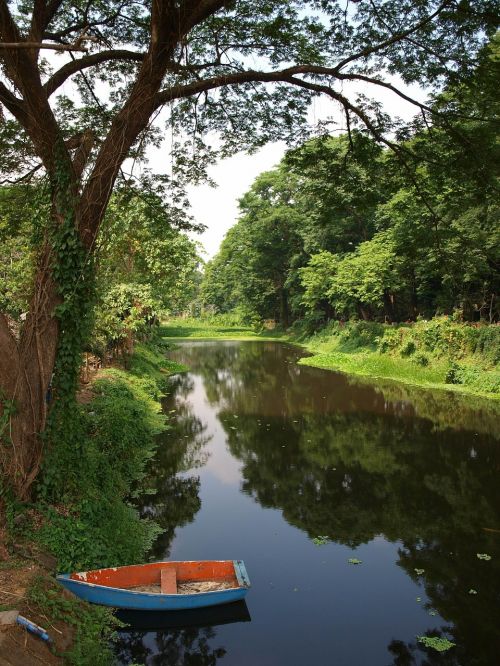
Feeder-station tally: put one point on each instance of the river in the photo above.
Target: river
(359, 510)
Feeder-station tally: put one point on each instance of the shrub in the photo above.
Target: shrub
(422, 360)
(408, 348)
(97, 458)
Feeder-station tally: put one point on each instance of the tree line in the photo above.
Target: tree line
(344, 227)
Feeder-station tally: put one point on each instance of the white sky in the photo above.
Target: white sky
(217, 208)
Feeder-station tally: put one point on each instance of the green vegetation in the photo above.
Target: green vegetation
(91, 626)
(97, 462)
(71, 144)
(436, 643)
(228, 327)
(84, 513)
(384, 262)
(438, 353)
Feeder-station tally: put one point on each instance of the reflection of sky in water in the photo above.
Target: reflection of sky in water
(221, 463)
(295, 453)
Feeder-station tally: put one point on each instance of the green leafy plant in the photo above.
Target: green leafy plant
(320, 540)
(436, 643)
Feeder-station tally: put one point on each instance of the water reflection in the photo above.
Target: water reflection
(182, 448)
(175, 637)
(413, 471)
(191, 646)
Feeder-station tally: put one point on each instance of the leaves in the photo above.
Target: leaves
(320, 540)
(436, 643)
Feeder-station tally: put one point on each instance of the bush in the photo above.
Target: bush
(408, 348)
(422, 360)
(97, 458)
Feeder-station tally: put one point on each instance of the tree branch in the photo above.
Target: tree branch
(59, 77)
(13, 104)
(42, 45)
(43, 14)
(364, 53)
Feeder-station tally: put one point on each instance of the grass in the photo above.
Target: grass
(438, 354)
(203, 329)
(371, 364)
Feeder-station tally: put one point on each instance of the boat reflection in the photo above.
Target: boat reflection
(175, 637)
(181, 619)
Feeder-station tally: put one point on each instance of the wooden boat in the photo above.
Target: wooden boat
(162, 585)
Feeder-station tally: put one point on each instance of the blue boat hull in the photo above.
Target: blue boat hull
(116, 597)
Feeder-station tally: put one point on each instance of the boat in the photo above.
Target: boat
(161, 585)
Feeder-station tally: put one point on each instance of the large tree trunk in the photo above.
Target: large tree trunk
(26, 371)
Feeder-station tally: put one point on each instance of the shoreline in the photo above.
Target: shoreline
(365, 364)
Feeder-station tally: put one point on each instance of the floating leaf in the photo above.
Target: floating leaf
(320, 540)
(354, 560)
(419, 572)
(439, 644)
(483, 556)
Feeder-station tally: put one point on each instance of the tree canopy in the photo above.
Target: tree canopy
(372, 232)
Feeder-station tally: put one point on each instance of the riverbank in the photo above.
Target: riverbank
(436, 354)
(82, 517)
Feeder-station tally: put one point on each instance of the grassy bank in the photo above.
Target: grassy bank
(433, 354)
(82, 517)
(224, 327)
(437, 354)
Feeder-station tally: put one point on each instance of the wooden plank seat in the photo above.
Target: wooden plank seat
(168, 581)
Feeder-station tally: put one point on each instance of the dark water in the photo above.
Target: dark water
(265, 455)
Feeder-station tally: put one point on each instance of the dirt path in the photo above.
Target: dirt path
(17, 646)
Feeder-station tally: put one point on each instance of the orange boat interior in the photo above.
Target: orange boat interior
(165, 574)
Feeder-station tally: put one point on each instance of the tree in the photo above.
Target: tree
(146, 267)
(192, 55)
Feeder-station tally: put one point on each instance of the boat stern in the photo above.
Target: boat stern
(241, 573)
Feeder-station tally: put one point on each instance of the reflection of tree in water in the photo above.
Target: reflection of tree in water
(355, 477)
(174, 647)
(261, 376)
(233, 373)
(347, 461)
(175, 498)
(410, 654)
